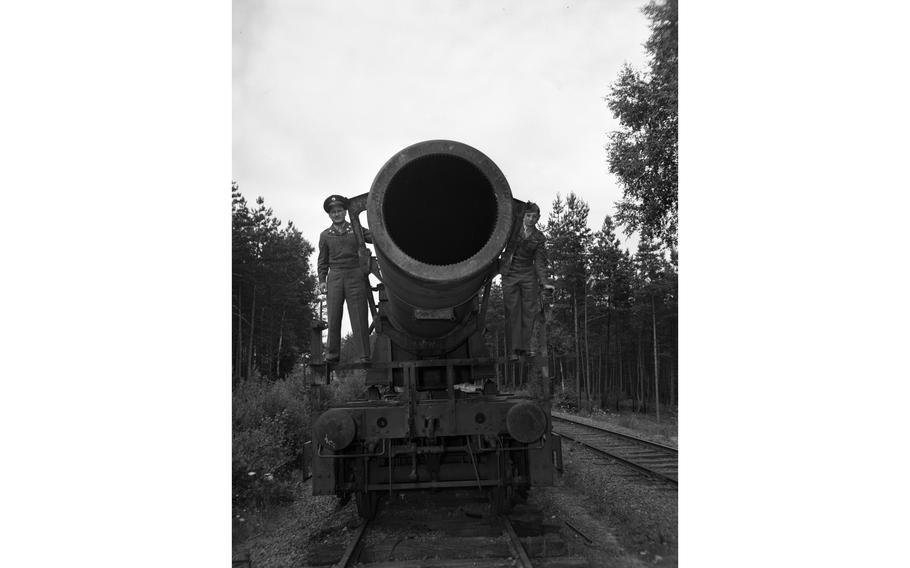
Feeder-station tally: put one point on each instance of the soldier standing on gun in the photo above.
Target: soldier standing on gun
(523, 269)
(342, 280)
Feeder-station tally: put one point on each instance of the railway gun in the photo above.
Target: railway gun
(441, 213)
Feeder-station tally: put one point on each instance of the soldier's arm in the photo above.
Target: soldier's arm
(322, 265)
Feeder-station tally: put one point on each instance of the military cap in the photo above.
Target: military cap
(531, 206)
(334, 200)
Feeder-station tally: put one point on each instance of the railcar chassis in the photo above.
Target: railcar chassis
(413, 438)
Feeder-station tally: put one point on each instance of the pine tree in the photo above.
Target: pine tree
(272, 289)
(610, 269)
(656, 313)
(568, 241)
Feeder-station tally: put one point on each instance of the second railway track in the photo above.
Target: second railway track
(656, 460)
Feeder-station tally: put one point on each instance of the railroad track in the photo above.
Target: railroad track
(653, 459)
(450, 530)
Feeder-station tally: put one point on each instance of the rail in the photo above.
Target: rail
(651, 458)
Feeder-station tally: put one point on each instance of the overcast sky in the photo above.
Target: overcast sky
(325, 92)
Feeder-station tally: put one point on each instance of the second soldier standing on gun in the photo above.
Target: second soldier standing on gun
(523, 268)
(342, 280)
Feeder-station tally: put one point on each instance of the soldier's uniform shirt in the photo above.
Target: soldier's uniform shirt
(339, 268)
(523, 270)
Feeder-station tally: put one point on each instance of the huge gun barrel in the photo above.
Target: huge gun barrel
(441, 213)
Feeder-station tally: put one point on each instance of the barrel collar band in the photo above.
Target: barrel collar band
(386, 247)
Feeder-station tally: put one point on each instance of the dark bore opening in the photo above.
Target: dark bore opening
(440, 209)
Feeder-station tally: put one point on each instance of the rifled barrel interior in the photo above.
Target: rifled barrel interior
(440, 209)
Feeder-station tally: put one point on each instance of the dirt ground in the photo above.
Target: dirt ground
(282, 537)
(637, 519)
(611, 515)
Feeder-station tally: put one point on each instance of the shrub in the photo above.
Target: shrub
(257, 454)
(347, 387)
(271, 423)
(628, 421)
(522, 391)
(565, 398)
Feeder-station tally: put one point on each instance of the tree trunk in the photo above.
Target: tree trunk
(577, 348)
(249, 365)
(238, 361)
(621, 391)
(609, 375)
(588, 386)
(608, 384)
(562, 375)
(656, 373)
(635, 380)
(280, 339)
(553, 363)
(672, 386)
(498, 373)
(640, 387)
(598, 375)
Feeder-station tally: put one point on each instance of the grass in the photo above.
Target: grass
(284, 535)
(665, 431)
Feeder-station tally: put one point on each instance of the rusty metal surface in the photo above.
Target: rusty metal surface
(335, 429)
(526, 422)
(352, 552)
(446, 314)
(523, 560)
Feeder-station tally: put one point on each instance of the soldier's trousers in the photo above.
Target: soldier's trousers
(347, 285)
(521, 298)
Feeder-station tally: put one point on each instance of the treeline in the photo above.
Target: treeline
(613, 335)
(613, 328)
(272, 289)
